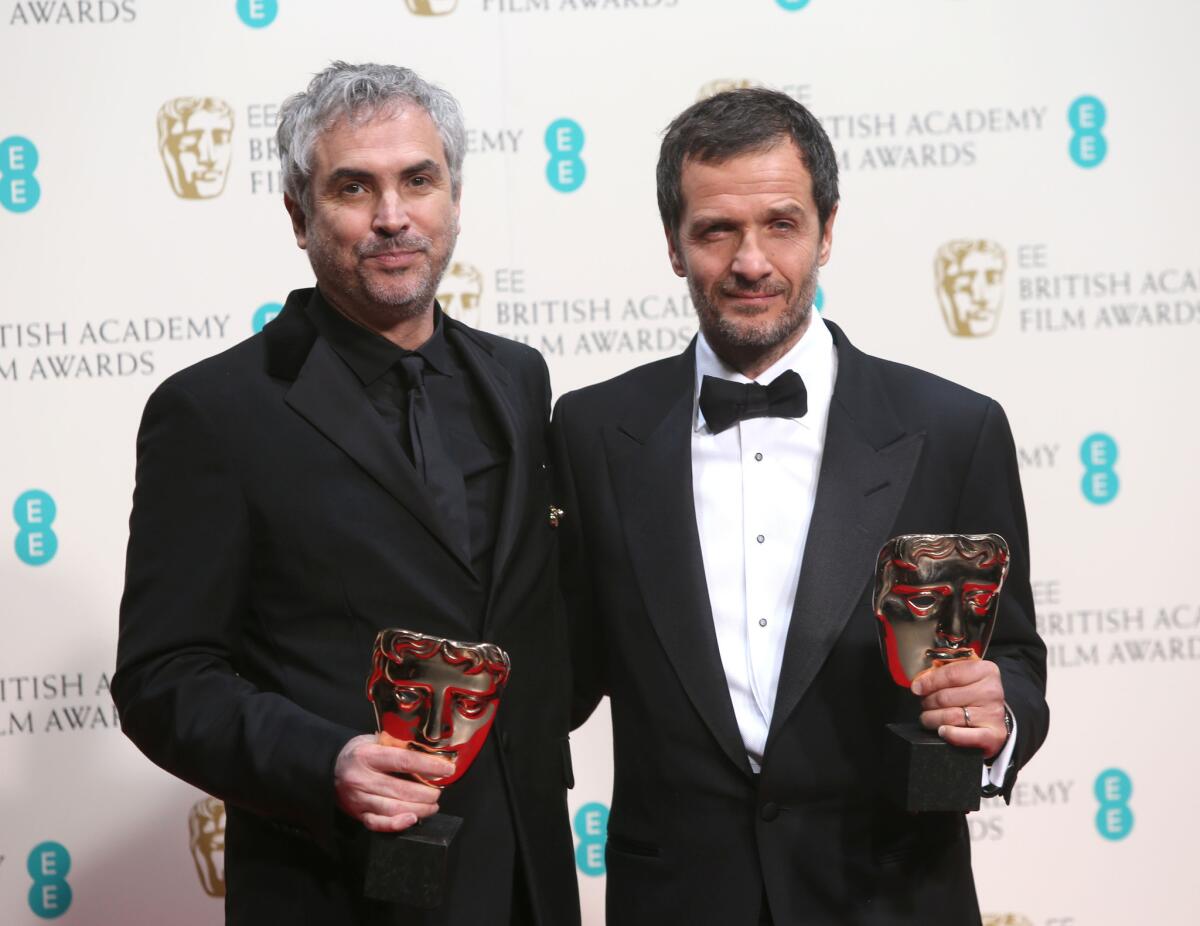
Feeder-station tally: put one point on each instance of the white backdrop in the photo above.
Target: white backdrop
(954, 119)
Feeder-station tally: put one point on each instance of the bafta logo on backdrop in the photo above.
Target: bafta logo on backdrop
(970, 285)
(1006, 919)
(195, 142)
(461, 289)
(206, 839)
(431, 7)
(713, 87)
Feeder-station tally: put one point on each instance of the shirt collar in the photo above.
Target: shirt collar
(370, 355)
(813, 357)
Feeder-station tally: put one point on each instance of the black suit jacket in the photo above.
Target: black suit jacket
(277, 526)
(694, 836)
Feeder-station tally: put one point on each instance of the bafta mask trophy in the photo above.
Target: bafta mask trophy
(935, 599)
(440, 697)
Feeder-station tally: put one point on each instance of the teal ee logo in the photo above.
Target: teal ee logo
(1087, 116)
(257, 13)
(34, 512)
(19, 188)
(819, 300)
(263, 314)
(50, 895)
(565, 170)
(1100, 480)
(591, 826)
(792, 5)
(1114, 819)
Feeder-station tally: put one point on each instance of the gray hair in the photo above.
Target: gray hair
(357, 92)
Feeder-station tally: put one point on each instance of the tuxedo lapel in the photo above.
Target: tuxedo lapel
(650, 456)
(327, 395)
(866, 467)
(496, 385)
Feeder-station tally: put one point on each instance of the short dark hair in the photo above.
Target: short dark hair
(739, 122)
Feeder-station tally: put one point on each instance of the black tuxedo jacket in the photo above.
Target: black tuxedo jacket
(694, 836)
(277, 526)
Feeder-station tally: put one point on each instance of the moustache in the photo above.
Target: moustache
(733, 289)
(395, 243)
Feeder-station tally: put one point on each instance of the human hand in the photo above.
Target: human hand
(964, 701)
(368, 787)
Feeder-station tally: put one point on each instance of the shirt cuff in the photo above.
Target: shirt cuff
(995, 772)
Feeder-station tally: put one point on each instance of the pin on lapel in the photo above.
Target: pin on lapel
(556, 515)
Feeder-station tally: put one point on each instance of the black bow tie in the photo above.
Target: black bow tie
(724, 403)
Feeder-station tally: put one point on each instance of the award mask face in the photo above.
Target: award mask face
(436, 695)
(935, 598)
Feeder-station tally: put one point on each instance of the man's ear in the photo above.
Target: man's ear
(827, 236)
(299, 220)
(673, 251)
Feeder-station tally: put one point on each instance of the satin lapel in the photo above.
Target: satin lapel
(327, 395)
(497, 387)
(650, 456)
(866, 468)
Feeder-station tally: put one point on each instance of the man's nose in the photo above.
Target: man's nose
(751, 262)
(391, 214)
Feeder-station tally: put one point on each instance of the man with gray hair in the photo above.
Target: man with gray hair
(364, 462)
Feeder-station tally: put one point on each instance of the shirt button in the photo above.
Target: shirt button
(758, 456)
(760, 538)
(762, 622)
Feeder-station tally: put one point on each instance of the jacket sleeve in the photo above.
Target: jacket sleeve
(186, 603)
(992, 502)
(587, 653)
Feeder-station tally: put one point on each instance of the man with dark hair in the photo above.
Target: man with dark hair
(365, 462)
(724, 512)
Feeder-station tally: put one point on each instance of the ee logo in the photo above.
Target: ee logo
(1100, 480)
(257, 13)
(819, 300)
(565, 170)
(1087, 116)
(263, 314)
(591, 826)
(50, 895)
(19, 188)
(36, 542)
(1114, 819)
(792, 5)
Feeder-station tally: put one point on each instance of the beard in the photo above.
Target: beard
(738, 337)
(383, 298)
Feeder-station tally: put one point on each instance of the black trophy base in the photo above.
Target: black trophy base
(409, 867)
(925, 773)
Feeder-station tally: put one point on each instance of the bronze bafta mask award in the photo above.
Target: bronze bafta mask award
(935, 601)
(440, 697)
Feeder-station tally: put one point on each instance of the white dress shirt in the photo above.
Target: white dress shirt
(754, 488)
(755, 485)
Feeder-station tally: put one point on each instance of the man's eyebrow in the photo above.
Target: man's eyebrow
(427, 166)
(786, 210)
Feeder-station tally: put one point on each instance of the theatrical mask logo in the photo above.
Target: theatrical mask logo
(713, 87)
(970, 285)
(461, 288)
(431, 7)
(1006, 919)
(195, 141)
(206, 839)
